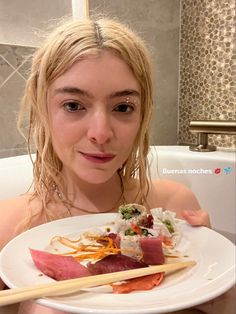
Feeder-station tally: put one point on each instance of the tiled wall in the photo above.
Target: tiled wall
(23, 21)
(159, 25)
(22, 24)
(14, 64)
(207, 66)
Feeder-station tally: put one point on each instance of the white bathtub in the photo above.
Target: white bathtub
(210, 175)
(15, 176)
(215, 192)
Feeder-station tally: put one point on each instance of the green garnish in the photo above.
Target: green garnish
(145, 232)
(128, 211)
(169, 225)
(130, 232)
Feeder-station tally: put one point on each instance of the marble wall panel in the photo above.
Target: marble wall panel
(14, 66)
(22, 21)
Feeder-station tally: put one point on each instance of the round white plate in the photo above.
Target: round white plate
(213, 275)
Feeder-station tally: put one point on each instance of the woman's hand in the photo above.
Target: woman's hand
(197, 217)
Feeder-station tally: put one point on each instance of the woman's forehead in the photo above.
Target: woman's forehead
(105, 71)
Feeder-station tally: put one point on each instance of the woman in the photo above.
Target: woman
(88, 104)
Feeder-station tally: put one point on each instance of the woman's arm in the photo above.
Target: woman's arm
(12, 213)
(180, 199)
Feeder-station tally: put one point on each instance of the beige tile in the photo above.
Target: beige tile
(10, 96)
(13, 54)
(5, 70)
(24, 69)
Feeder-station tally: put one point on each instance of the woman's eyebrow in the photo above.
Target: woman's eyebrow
(77, 91)
(125, 92)
(71, 90)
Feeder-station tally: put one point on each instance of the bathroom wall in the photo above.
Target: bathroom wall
(157, 21)
(14, 65)
(193, 50)
(22, 23)
(207, 67)
(200, 34)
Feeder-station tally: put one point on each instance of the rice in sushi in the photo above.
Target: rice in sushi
(129, 214)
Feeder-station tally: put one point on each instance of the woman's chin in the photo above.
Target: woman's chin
(95, 178)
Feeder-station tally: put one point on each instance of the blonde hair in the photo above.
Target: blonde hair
(68, 43)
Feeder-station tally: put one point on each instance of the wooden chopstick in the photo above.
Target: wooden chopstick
(63, 287)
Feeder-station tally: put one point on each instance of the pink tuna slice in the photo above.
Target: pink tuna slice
(58, 267)
(152, 250)
(113, 263)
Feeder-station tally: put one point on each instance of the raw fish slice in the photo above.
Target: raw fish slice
(113, 263)
(140, 283)
(58, 267)
(152, 250)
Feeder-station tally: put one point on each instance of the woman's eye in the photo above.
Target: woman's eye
(124, 107)
(72, 106)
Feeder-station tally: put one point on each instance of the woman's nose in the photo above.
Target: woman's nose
(100, 128)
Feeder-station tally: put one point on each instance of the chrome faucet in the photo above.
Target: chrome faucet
(203, 128)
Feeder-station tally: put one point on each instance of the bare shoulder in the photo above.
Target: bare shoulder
(172, 195)
(14, 203)
(14, 206)
(13, 212)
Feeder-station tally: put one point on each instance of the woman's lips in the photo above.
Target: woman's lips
(98, 157)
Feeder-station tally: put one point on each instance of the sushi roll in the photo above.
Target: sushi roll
(130, 214)
(130, 246)
(143, 248)
(165, 223)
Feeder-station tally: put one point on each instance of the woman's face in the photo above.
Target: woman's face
(94, 113)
